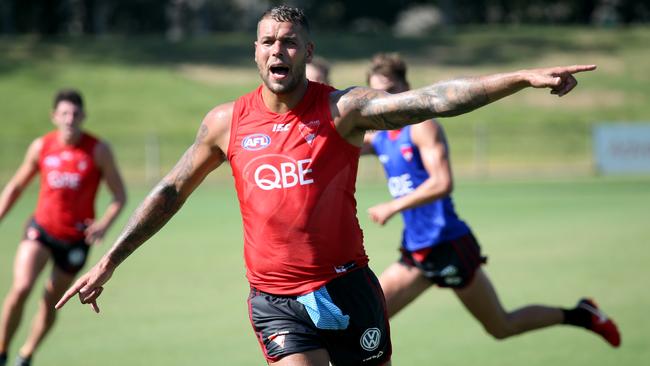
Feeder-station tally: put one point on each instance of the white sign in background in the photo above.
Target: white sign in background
(622, 147)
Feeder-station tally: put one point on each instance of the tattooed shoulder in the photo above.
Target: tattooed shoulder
(358, 97)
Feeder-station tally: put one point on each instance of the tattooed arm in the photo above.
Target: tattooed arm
(205, 155)
(358, 109)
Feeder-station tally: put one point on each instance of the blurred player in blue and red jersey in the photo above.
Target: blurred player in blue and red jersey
(71, 163)
(437, 246)
(293, 147)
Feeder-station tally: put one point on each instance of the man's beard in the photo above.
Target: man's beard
(279, 88)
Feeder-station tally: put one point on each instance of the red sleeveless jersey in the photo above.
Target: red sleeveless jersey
(69, 182)
(295, 179)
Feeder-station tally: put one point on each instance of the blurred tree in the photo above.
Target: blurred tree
(464, 11)
(95, 16)
(250, 11)
(7, 16)
(38, 16)
(180, 18)
(138, 16)
(634, 11)
(583, 11)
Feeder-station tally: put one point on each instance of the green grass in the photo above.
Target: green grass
(145, 86)
(181, 297)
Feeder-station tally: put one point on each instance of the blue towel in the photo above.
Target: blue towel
(322, 310)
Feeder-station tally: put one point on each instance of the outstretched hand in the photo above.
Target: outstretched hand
(559, 79)
(88, 286)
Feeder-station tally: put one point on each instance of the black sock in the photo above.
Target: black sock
(3, 357)
(577, 316)
(20, 360)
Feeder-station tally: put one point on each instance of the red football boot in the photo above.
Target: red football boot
(600, 323)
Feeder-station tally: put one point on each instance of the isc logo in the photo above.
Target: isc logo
(281, 127)
(256, 141)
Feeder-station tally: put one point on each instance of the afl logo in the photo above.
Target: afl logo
(370, 339)
(256, 141)
(52, 161)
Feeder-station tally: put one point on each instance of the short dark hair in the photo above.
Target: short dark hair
(284, 13)
(69, 95)
(389, 65)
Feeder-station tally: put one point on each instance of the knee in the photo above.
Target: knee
(49, 312)
(498, 334)
(20, 292)
(499, 331)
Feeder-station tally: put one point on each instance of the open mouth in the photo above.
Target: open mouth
(279, 71)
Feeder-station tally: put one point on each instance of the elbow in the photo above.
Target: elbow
(444, 184)
(448, 187)
(123, 198)
(120, 200)
(12, 190)
(15, 187)
(169, 193)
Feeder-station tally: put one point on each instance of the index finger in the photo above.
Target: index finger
(579, 68)
(68, 294)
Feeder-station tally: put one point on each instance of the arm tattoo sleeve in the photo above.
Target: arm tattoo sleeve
(444, 99)
(161, 204)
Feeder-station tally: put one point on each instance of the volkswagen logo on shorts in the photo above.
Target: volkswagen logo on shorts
(76, 256)
(256, 141)
(370, 339)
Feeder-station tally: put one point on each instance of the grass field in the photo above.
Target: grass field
(181, 298)
(554, 231)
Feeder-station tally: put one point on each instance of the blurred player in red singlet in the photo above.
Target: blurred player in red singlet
(71, 163)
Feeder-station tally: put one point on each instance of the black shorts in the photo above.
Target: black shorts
(347, 317)
(448, 264)
(70, 257)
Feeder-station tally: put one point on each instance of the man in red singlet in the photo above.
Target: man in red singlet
(293, 146)
(71, 164)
